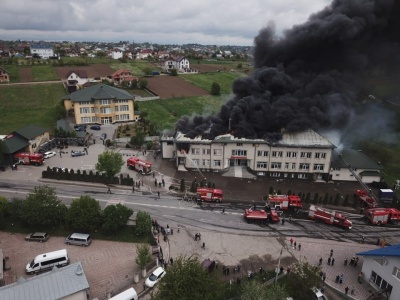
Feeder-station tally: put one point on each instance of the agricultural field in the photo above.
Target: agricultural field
(173, 87)
(136, 67)
(205, 80)
(22, 105)
(93, 71)
(165, 113)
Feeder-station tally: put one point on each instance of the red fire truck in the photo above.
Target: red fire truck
(382, 216)
(328, 216)
(209, 194)
(365, 200)
(284, 202)
(26, 158)
(139, 165)
(254, 215)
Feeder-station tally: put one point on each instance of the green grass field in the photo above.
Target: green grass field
(205, 80)
(166, 113)
(44, 73)
(22, 105)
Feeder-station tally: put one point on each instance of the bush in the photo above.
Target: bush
(215, 89)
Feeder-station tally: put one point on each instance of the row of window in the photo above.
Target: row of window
(261, 153)
(103, 110)
(289, 166)
(122, 117)
(103, 102)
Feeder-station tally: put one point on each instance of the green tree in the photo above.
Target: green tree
(115, 218)
(239, 66)
(110, 162)
(143, 223)
(147, 71)
(138, 139)
(182, 187)
(256, 290)
(215, 89)
(316, 198)
(42, 207)
(84, 214)
(186, 279)
(337, 199)
(302, 278)
(346, 200)
(143, 255)
(3, 211)
(271, 190)
(326, 198)
(173, 72)
(142, 83)
(308, 196)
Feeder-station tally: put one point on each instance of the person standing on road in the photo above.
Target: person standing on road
(291, 242)
(108, 190)
(299, 246)
(320, 261)
(158, 193)
(332, 261)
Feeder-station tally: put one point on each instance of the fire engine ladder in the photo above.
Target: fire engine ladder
(366, 187)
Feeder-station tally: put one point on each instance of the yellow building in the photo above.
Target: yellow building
(100, 104)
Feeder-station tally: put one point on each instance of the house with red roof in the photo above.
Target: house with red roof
(123, 75)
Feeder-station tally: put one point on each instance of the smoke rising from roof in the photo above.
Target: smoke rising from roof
(311, 77)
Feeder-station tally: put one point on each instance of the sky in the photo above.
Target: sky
(206, 22)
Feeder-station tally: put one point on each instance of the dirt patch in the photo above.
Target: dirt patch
(25, 74)
(93, 71)
(173, 86)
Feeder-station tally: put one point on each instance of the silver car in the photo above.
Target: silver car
(37, 237)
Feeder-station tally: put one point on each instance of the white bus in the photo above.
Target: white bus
(47, 261)
(129, 294)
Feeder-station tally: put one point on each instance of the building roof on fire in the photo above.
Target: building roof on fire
(355, 159)
(99, 92)
(393, 250)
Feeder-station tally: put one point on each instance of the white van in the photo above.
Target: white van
(129, 294)
(80, 239)
(48, 261)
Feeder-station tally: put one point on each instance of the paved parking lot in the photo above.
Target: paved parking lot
(109, 266)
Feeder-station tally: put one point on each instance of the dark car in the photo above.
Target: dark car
(37, 237)
(95, 127)
(77, 153)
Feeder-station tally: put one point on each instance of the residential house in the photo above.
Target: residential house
(123, 75)
(102, 104)
(69, 282)
(27, 139)
(42, 50)
(143, 54)
(181, 64)
(4, 76)
(381, 271)
(75, 79)
(163, 55)
(353, 165)
(116, 53)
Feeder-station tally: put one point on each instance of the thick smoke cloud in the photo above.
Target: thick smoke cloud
(310, 78)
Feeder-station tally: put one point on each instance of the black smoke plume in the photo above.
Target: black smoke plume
(312, 76)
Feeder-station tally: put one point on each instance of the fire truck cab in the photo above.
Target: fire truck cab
(382, 216)
(284, 202)
(139, 165)
(210, 194)
(26, 158)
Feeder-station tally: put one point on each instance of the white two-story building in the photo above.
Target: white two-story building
(42, 50)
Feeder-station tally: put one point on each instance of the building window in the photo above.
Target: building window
(396, 272)
(304, 166)
(105, 102)
(277, 153)
(195, 151)
(195, 162)
(124, 108)
(320, 155)
(302, 176)
(262, 153)
(380, 282)
(262, 165)
(291, 154)
(206, 162)
(276, 165)
(239, 152)
(217, 152)
(105, 110)
(85, 120)
(84, 103)
(319, 167)
(84, 110)
(92, 110)
(293, 166)
(206, 151)
(124, 117)
(286, 166)
(305, 155)
(275, 174)
(217, 163)
(336, 169)
(239, 144)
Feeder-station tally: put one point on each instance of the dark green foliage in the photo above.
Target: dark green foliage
(84, 214)
(143, 223)
(326, 198)
(279, 192)
(346, 200)
(215, 89)
(173, 72)
(182, 186)
(271, 190)
(337, 199)
(115, 217)
(316, 198)
(308, 196)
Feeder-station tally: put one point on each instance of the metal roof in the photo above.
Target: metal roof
(307, 138)
(99, 92)
(385, 251)
(56, 284)
(14, 144)
(31, 131)
(356, 159)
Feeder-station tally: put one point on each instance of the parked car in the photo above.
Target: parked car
(77, 153)
(80, 239)
(319, 295)
(37, 237)
(49, 154)
(155, 277)
(95, 127)
(80, 128)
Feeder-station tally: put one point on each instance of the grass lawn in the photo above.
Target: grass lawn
(13, 71)
(29, 104)
(165, 113)
(205, 80)
(136, 67)
(44, 73)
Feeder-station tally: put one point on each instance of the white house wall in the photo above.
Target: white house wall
(384, 271)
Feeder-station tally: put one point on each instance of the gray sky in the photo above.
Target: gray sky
(219, 22)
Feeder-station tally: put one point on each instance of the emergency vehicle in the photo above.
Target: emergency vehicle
(26, 158)
(209, 194)
(254, 215)
(365, 200)
(284, 202)
(139, 165)
(382, 216)
(328, 216)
